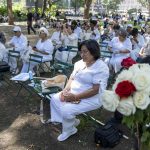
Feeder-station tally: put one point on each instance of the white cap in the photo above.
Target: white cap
(44, 30)
(17, 28)
(130, 25)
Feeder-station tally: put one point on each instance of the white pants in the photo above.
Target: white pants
(26, 68)
(65, 112)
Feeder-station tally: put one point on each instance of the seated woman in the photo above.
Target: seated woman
(44, 48)
(82, 92)
(69, 38)
(138, 43)
(121, 47)
(56, 37)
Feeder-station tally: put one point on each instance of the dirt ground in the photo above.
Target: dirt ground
(20, 126)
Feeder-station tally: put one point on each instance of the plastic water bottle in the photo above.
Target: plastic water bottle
(31, 76)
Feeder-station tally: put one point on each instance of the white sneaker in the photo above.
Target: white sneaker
(77, 122)
(66, 135)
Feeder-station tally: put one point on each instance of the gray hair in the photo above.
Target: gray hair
(123, 32)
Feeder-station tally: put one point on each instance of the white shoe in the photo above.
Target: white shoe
(66, 135)
(77, 122)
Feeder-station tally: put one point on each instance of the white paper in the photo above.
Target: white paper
(21, 77)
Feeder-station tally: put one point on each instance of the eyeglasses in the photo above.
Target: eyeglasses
(41, 32)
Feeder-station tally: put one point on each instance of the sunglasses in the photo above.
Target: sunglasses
(15, 31)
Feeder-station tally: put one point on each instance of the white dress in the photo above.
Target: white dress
(45, 46)
(137, 46)
(116, 45)
(66, 56)
(83, 79)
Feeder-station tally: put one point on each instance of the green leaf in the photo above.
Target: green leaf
(145, 136)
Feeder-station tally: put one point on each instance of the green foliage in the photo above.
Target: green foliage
(3, 10)
(112, 5)
(140, 118)
(133, 10)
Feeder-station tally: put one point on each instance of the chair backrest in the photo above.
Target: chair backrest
(72, 52)
(106, 54)
(13, 53)
(35, 58)
(63, 67)
(103, 46)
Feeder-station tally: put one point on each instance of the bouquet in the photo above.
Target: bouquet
(127, 62)
(130, 96)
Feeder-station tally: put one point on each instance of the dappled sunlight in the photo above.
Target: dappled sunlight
(11, 135)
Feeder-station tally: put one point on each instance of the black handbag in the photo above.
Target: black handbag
(107, 136)
(4, 67)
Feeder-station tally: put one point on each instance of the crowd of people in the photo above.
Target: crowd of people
(90, 75)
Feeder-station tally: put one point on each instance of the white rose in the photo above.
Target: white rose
(124, 75)
(110, 100)
(141, 100)
(141, 80)
(134, 68)
(126, 106)
(145, 68)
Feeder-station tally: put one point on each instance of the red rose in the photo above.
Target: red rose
(127, 62)
(125, 89)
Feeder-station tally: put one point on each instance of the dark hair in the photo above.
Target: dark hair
(134, 31)
(146, 60)
(93, 48)
(94, 22)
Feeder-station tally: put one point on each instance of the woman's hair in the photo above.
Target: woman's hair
(122, 32)
(93, 48)
(134, 32)
(146, 60)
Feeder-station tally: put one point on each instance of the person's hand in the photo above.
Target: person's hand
(34, 48)
(61, 96)
(70, 97)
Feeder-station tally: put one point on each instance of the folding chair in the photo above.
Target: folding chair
(37, 59)
(15, 55)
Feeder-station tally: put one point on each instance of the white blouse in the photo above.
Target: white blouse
(45, 46)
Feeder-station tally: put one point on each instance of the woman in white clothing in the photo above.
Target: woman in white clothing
(57, 36)
(138, 42)
(121, 47)
(44, 48)
(69, 39)
(82, 92)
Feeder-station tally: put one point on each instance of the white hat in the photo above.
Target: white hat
(44, 30)
(130, 25)
(17, 28)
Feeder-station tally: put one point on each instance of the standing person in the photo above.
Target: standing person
(86, 83)
(29, 22)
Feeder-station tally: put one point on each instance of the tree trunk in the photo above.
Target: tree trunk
(149, 7)
(10, 12)
(36, 5)
(44, 8)
(87, 8)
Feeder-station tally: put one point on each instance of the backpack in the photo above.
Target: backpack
(4, 66)
(107, 136)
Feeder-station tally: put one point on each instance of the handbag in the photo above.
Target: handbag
(4, 67)
(107, 136)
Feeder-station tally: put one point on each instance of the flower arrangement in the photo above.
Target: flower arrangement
(127, 62)
(130, 96)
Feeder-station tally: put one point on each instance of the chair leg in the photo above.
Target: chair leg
(42, 112)
(19, 90)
